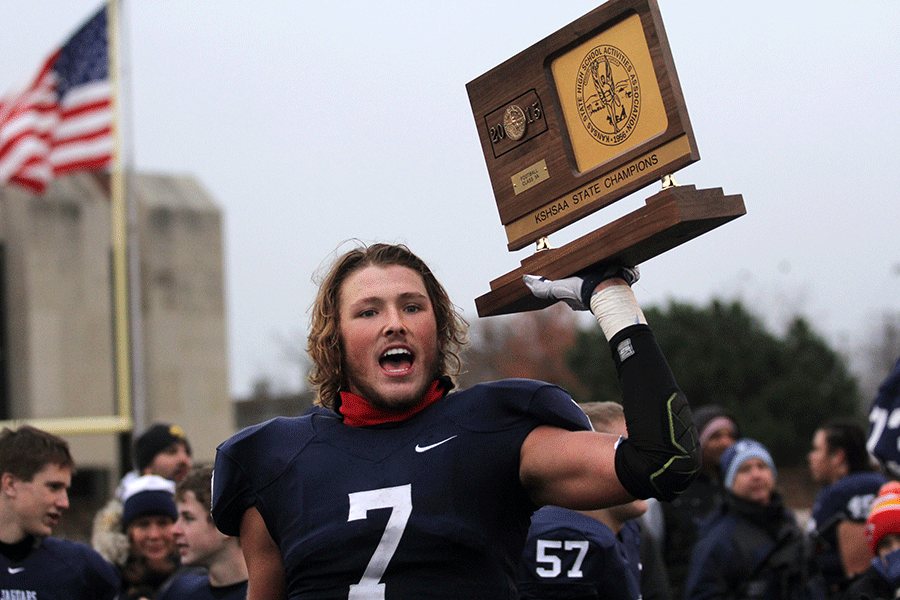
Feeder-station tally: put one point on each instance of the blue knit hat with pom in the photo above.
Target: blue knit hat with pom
(739, 452)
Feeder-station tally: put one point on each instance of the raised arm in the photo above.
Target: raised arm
(661, 455)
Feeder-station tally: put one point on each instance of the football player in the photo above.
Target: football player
(585, 554)
(396, 487)
(35, 475)
(839, 460)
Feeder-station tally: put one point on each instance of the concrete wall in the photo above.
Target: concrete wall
(57, 266)
(183, 302)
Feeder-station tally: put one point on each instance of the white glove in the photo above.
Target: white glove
(568, 290)
(576, 291)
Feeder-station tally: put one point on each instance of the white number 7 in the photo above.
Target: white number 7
(400, 500)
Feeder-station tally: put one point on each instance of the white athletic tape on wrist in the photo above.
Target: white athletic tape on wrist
(616, 308)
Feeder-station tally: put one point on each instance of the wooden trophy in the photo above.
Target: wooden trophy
(577, 121)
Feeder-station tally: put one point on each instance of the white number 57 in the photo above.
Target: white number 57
(555, 562)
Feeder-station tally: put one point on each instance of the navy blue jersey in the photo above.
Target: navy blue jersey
(571, 555)
(884, 419)
(848, 499)
(431, 507)
(195, 586)
(58, 569)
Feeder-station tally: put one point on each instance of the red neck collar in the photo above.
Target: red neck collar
(358, 412)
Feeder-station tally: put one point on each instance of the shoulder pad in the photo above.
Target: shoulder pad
(500, 404)
(251, 459)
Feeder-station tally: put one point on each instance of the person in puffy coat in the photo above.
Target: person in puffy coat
(752, 546)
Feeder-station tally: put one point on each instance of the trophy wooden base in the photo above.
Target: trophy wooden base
(670, 218)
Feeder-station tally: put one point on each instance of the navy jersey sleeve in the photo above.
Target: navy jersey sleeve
(825, 509)
(553, 405)
(848, 499)
(515, 399)
(247, 462)
(231, 491)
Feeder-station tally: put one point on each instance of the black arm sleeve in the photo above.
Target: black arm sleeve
(661, 456)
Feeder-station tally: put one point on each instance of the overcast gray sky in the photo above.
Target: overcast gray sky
(313, 123)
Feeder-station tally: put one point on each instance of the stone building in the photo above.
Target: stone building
(56, 319)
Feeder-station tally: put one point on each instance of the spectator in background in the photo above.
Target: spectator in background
(148, 519)
(585, 554)
(202, 545)
(162, 450)
(35, 474)
(751, 546)
(882, 578)
(884, 420)
(682, 516)
(839, 460)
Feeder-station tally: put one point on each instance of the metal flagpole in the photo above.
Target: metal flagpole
(129, 377)
(138, 399)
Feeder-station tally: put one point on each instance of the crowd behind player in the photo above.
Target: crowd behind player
(398, 486)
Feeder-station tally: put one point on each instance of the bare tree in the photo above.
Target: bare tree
(881, 354)
(532, 345)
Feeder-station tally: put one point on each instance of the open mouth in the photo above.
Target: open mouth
(396, 361)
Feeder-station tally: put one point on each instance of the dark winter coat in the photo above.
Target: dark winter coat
(749, 551)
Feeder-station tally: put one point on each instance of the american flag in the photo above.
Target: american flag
(62, 122)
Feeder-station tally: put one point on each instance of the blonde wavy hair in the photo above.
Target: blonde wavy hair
(327, 375)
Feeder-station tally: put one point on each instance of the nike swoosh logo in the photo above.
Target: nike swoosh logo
(13, 571)
(429, 447)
